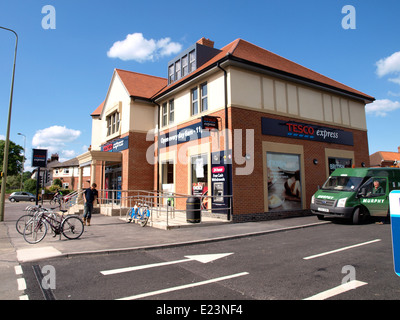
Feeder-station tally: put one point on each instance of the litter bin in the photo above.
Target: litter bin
(193, 211)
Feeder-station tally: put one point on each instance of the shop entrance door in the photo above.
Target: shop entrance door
(167, 180)
(113, 183)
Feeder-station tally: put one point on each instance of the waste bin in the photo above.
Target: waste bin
(193, 211)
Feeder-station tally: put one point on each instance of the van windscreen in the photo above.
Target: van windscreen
(342, 183)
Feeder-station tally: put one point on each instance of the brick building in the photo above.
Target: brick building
(278, 130)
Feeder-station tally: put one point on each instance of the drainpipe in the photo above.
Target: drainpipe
(228, 176)
(158, 150)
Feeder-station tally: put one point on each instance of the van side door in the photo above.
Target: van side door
(375, 197)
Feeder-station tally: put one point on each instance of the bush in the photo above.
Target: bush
(30, 185)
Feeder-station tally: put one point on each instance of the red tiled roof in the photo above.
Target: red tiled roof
(98, 110)
(389, 156)
(141, 85)
(250, 53)
(137, 85)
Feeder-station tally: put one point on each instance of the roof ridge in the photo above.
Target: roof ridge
(142, 74)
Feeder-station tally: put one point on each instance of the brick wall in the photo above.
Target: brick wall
(248, 191)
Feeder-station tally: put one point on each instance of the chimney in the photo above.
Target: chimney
(398, 149)
(206, 42)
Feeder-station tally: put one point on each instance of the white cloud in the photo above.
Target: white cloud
(389, 65)
(69, 154)
(395, 80)
(55, 139)
(136, 47)
(382, 107)
(2, 137)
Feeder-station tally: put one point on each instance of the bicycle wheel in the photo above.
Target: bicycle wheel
(22, 222)
(72, 227)
(35, 231)
(129, 215)
(144, 216)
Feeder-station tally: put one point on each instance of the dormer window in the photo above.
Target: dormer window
(192, 61)
(171, 73)
(185, 69)
(178, 70)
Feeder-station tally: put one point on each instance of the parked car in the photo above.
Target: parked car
(22, 196)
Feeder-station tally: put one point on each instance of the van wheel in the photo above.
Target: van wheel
(359, 216)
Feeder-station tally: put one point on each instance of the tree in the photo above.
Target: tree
(30, 185)
(15, 159)
(57, 182)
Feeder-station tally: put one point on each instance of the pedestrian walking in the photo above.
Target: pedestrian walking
(90, 194)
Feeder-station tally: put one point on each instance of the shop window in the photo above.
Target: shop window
(335, 163)
(199, 174)
(113, 123)
(284, 183)
(167, 173)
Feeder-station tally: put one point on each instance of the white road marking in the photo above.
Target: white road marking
(341, 249)
(203, 258)
(21, 284)
(337, 290)
(190, 285)
(18, 270)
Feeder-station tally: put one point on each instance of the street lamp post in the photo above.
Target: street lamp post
(23, 161)
(7, 142)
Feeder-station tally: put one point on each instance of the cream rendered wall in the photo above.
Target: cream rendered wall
(117, 99)
(97, 127)
(257, 91)
(141, 116)
(182, 99)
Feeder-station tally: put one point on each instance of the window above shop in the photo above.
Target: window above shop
(167, 113)
(113, 123)
(199, 105)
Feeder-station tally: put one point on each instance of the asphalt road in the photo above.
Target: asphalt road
(267, 267)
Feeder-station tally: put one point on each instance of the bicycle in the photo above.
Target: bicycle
(35, 231)
(56, 199)
(23, 220)
(140, 213)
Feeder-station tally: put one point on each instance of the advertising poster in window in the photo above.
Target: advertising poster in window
(284, 185)
(336, 163)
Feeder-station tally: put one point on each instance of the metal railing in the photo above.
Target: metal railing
(166, 207)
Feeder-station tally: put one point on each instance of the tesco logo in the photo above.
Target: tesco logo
(299, 128)
(218, 170)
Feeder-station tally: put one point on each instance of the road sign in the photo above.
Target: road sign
(394, 202)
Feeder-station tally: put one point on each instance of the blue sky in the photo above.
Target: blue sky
(63, 74)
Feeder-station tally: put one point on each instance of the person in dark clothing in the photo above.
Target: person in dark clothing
(90, 194)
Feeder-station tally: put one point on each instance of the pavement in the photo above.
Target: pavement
(108, 234)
